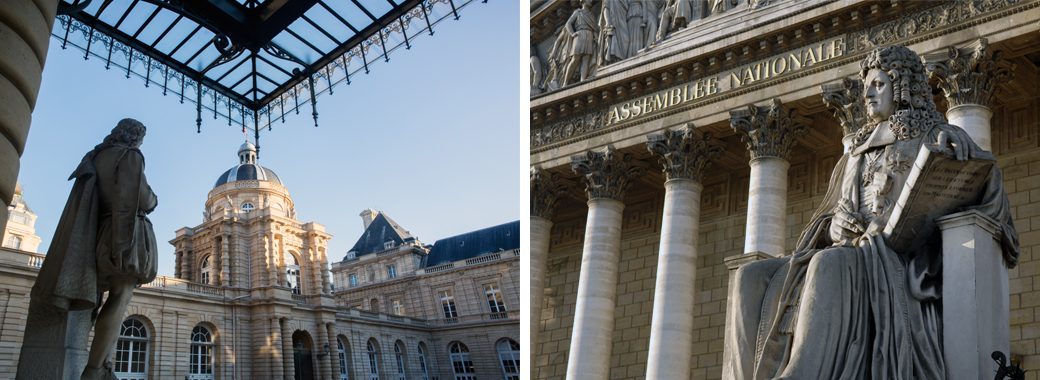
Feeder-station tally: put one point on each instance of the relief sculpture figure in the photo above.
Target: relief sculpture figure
(846, 304)
(636, 24)
(103, 242)
(614, 33)
(581, 27)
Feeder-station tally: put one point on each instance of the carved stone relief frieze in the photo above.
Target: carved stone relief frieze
(921, 22)
(573, 127)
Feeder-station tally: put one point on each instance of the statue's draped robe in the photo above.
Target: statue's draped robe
(858, 311)
(103, 231)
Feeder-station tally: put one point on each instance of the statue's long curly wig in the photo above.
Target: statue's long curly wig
(915, 111)
(128, 132)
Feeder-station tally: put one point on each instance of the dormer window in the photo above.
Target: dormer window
(388, 245)
(351, 255)
(248, 206)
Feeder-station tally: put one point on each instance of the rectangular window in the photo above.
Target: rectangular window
(351, 255)
(398, 307)
(494, 298)
(14, 242)
(388, 245)
(448, 304)
(353, 280)
(391, 271)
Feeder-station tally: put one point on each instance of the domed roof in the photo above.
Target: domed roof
(247, 169)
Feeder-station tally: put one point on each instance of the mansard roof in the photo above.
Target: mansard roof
(381, 230)
(502, 237)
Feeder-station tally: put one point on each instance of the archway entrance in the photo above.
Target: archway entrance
(304, 368)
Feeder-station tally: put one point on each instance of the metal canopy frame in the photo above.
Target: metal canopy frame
(249, 57)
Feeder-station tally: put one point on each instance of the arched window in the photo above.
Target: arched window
(247, 207)
(201, 360)
(509, 355)
(399, 357)
(422, 362)
(373, 361)
(292, 271)
(461, 362)
(207, 270)
(132, 351)
(342, 360)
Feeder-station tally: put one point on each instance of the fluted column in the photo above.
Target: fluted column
(684, 155)
(969, 79)
(288, 366)
(545, 193)
(769, 133)
(606, 176)
(845, 99)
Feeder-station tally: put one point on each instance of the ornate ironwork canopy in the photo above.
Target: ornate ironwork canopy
(248, 61)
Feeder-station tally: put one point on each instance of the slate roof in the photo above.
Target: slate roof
(381, 230)
(469, 245)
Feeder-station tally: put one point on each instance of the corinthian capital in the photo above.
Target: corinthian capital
(684, 154)
(545, 192)
(768, 131)
(845, 99)
(606, 174)
(969, 75)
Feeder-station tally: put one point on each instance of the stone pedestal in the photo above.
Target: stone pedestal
(55, 343)
(593, 331)
(767, 206)
(975, 295)
(671, 330)
(974, 119)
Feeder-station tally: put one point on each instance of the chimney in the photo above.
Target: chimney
(368, 216)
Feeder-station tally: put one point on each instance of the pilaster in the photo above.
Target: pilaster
(969, 77)
(546, 192)
(288, 366)
(770, 133)
(685, 155)
(225, 260)
(606, 175)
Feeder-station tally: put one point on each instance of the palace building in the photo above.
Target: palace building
(673, 142)
(254, 297)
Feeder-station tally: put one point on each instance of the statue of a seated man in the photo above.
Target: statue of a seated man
(845, 305)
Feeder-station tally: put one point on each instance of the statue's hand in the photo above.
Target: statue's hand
(963, 147)
(846, 225)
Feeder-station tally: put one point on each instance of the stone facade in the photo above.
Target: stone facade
(20, 232)
(579, 118)
(253, 298)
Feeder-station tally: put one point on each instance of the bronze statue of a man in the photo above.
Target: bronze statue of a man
(104, 241)
(847, 304)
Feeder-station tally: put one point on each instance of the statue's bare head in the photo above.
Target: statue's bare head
(896, 89)
(128, 132)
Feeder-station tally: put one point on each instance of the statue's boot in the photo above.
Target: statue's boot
(102, 372)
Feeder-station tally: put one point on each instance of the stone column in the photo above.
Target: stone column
(288, 366)
(545, 193)
(271, 265)
(280, 257)
(975, 284)
(969, 79)
(330, 330)
(276, 362)
(186, 267)
(324, 369)
(26, 30)
(606, 176)
(769, 133)
(326, 275)
(225, 261)
(177, 266)
(845, 99)
(684, 155)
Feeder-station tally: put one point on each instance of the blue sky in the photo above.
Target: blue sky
(430, 138)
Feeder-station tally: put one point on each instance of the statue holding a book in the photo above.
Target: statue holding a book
(860, 297)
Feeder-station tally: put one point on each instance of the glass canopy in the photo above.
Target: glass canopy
(250, 62)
